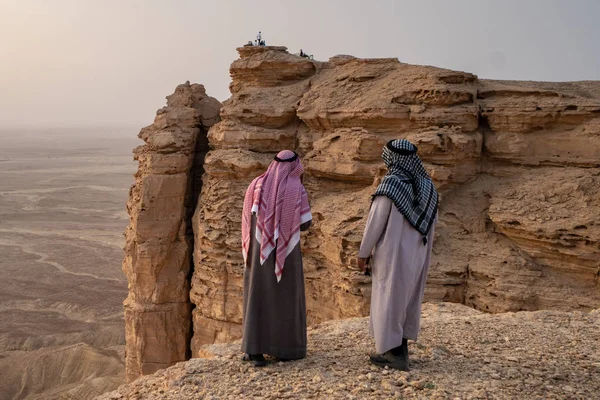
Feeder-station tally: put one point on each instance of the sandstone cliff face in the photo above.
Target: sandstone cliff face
(159, 238)
(515, 162)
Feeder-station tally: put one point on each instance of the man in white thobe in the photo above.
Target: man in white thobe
(399, 237)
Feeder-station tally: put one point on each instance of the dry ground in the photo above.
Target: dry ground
(62, 214)
(461, 354)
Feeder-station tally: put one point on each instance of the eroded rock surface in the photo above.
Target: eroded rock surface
(516, 164)
(159, 239)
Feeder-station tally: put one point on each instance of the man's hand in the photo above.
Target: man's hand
(362, 264)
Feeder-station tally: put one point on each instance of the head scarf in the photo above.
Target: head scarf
(281, 205)
(408, 185)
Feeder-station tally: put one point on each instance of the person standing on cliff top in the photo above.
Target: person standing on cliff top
(276, 209)
(399, 236)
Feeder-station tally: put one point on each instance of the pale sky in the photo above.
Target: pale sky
(112, 62)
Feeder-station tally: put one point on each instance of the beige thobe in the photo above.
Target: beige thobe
(400, 263)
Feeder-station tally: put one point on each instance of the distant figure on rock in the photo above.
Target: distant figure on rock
(276, 209)
(259, 41)
(399, 237)
(303, 54)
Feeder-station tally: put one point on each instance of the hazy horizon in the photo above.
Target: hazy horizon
(109, 63)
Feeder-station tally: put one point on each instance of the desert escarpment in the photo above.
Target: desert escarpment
(159, 238)
(62, 192)
(515, 162)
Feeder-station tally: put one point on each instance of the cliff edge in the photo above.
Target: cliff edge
(461, 354)
(516, 164)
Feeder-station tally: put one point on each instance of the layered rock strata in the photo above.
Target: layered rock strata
(159, 239)
(515, 162)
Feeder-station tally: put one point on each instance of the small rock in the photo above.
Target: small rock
(420, 384)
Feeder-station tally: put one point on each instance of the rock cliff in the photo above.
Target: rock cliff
(516, 164)
(159, 242)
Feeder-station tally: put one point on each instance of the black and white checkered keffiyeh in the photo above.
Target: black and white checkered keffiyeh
(408, 185)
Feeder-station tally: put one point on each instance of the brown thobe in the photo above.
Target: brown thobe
(400, 263)
(274, 320)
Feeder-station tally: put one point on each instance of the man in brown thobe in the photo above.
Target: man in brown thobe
(276, 209)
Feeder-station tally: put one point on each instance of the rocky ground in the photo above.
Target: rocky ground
(461, 354)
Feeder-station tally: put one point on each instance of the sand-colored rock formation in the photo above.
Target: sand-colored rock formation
(516, 164)
(159, 238)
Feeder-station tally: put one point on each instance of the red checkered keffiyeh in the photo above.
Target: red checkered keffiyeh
(281, 204)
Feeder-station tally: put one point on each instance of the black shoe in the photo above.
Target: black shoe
(389, 360)
(258, 360)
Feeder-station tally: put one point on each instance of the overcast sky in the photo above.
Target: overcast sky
(112, 62)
